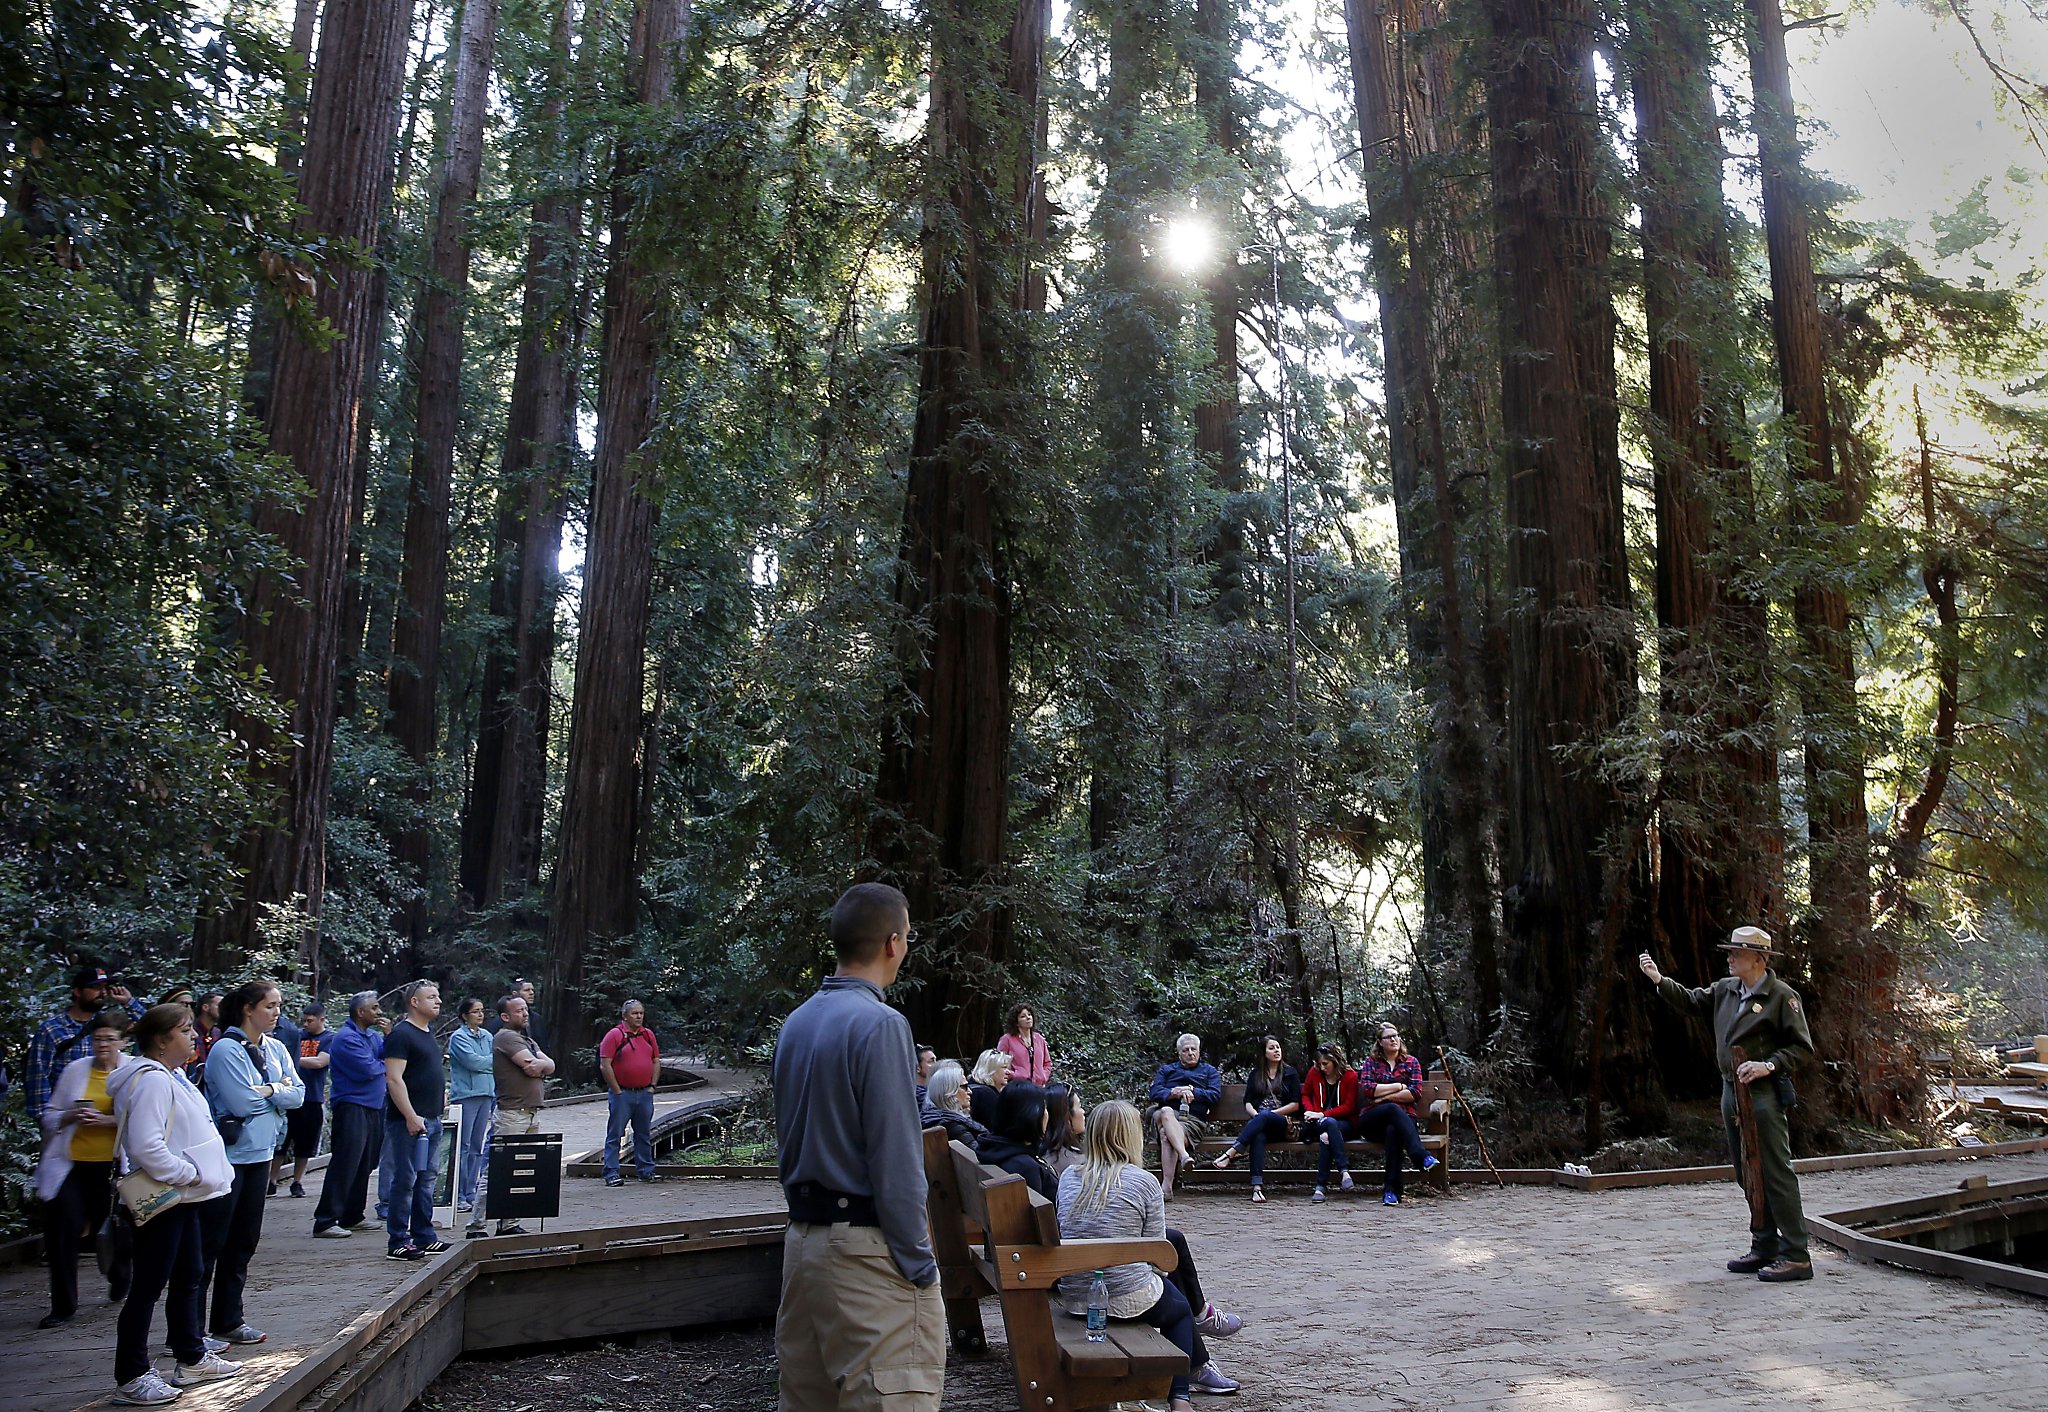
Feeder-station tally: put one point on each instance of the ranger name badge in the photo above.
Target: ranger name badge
(1757, 1008)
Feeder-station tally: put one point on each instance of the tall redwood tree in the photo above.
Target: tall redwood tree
(293, 627)
(943, 788)
(596, 889)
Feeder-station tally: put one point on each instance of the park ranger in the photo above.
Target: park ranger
(1753, 1007)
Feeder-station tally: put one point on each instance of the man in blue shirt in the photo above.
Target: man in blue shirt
(355, 1062)
(57, 1040)
(860, 1324)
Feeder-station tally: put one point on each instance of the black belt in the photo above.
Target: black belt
(818, 1205)
(628, 1088)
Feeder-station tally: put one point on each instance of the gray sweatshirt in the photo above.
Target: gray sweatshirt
(846, 1112)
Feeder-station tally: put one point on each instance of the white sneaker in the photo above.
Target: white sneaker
(149, 1390)
(210, 1368)
(334, 1233)
(212, 1345)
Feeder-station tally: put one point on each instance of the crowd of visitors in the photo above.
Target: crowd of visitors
(164, 1158)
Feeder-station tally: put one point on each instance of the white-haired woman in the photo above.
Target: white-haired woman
(945, 1104)
(1111, 1196)
(1185, 1090)
(991, 1073)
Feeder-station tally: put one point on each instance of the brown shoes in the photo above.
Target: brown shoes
(1785, 1271)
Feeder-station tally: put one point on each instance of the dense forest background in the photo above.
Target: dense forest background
(1258, 518)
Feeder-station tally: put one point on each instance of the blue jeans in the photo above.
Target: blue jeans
(1327, 1152)
(1390, 1124)
(476, 1139)
(410, 1218)
(1267, 1127)
(634, 1105)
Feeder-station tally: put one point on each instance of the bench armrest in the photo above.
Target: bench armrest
(1037, 1266)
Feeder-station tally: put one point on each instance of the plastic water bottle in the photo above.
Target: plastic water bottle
(1098, 1309)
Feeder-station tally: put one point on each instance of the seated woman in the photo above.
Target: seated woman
(1013, 1143)
(945, 1105)
(1388, 1081)
(1186, 1091)
(991, 1072)
(1329, 1107)
(1066, 1121)
(1110, 1195)
(1272, 1097)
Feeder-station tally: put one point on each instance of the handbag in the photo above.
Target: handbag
(230, 1125)
(143, 1195)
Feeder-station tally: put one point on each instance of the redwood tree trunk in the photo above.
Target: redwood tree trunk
(1458, 872)
(1854, 973)
(1219, 436)
(1570, 636)
(1720, 844)
(293, 628)
(423, 584)
(596, 890)
(943, 786)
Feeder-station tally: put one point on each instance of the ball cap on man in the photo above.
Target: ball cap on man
(86, 977)
(1754, 940)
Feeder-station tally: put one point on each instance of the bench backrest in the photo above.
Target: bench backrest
(1002, 1203)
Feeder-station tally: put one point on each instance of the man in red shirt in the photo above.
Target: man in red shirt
(630, 1057)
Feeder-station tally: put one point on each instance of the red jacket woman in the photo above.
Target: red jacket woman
(1329, 1107)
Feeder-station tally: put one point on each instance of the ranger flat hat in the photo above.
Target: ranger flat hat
(1755, 940)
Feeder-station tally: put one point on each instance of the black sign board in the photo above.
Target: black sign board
(525, 1177)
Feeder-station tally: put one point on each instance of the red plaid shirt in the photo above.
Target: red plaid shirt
(1376, 1070)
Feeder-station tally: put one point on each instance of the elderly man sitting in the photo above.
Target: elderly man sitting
(1186, 1091)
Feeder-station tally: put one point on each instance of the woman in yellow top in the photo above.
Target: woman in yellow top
(75, 1177)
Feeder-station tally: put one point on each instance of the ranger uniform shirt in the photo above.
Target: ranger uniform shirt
(1769, 1024)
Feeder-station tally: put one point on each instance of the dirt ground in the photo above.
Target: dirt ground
(1528, 1298)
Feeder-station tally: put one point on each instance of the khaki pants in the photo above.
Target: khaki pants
(515, 1122)
(852, 1335)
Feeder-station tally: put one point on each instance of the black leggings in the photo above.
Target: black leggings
(234, 1224)
(1390, 1123)
(1184, 1277)
(69, 1217)
(170, 1264)
(1173, 1317)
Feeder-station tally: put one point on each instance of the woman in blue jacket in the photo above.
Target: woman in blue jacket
(471, 1085)
(251, 1084)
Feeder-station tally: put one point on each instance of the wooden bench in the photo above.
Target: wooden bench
(1433, 1104)
(993, 1235)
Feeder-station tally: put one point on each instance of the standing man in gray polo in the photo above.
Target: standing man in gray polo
(861, 1327)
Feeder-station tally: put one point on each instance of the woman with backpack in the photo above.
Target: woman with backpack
(251, 1083)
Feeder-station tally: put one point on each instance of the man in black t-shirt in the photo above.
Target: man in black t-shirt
(416, 1087)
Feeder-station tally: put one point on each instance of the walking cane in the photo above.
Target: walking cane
(1749, 1163)
(1444, 1060)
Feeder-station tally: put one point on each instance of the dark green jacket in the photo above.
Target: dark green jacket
(1771, 1027)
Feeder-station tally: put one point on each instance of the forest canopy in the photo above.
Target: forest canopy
(1258, 519)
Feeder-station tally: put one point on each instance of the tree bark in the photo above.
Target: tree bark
(1571, 647)
(294, 624)
(1219, 434)
(263, 319)
(1854, 973)
(943, 786)
(414, 680)
(596, 889)
(1721, 848)
(501, 828)
(1457, 797)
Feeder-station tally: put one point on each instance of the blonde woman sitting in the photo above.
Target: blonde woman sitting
(1111, 1195)
(991, 1074)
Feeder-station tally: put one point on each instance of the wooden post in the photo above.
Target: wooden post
(1749, 1163)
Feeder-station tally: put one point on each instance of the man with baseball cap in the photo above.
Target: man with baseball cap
(58, 1039)
(1752, 1006)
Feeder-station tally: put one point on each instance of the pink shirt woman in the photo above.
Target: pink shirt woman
(1030, 1059)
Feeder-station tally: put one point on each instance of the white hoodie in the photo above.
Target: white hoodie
(167, 1130)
